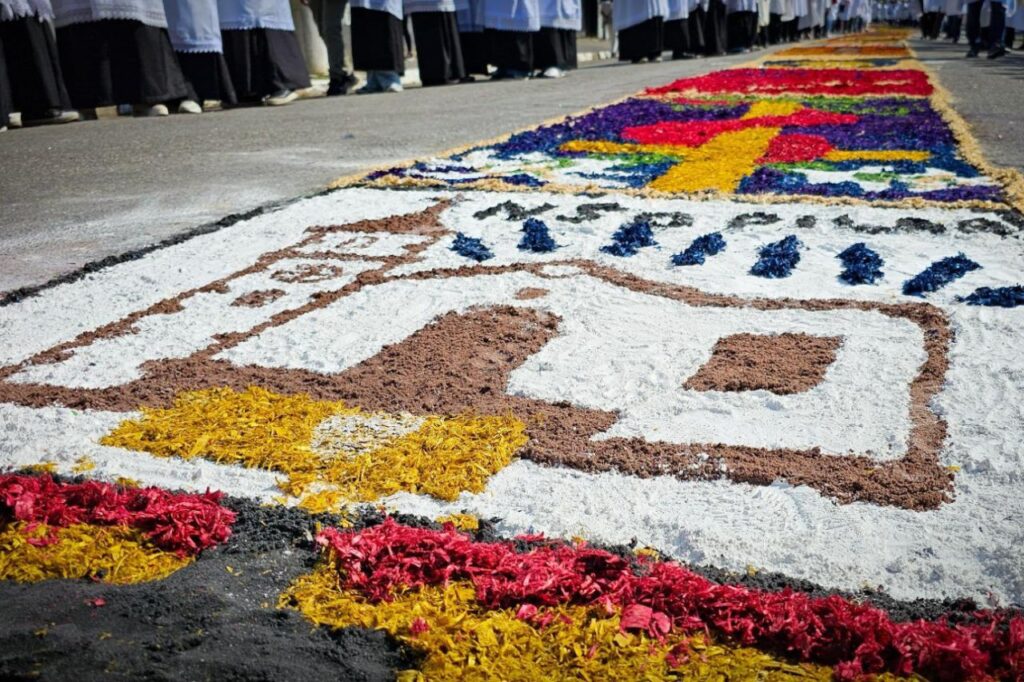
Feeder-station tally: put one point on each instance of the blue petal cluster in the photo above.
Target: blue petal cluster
(939, 274)
(861, 265)
(777, 260)
(1001, 297)
(630, 238)
(536, 237)
(471, 247)
(522, 179)
(699, 249)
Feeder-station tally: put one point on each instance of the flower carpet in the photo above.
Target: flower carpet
(720, 381)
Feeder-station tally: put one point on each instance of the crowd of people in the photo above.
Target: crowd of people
(694, 28)
(990, 25)
(63, 59)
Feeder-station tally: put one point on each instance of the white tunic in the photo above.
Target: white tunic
(678, 9)
(512, 15)
(563, 14)
(16, 9)
(149, 12)
(626, 13)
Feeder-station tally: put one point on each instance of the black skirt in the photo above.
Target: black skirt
(510, 50)
(208, 76)
(645, 40)
(695, 24)
(774, 29)
(263, 61)
(6, 105)
(438, 51)
(715, 38)
(474, 52)
(677, 38)
(119, 61)
(378, 41)
(741, 29)
(554, 47)
(30, 81)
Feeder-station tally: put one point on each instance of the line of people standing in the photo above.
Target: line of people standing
(991, 25)
(160, 56)
(457, 39)
(692, 28)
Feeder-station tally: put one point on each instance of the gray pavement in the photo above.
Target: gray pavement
(989, 94)
(77, 193)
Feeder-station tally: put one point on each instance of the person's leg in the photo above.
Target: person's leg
(34, 76)
(85, 61)
(438, 52)
(997, 28)
(332, 15)
(973, 27)
(144, 69)
(511, 52)
(6, 105)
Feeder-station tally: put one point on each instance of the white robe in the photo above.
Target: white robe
(193, 25)
(149, 12)
(678, 9)
(626, 13)
(17, 9)
(522, 16)
(563, 14)
(414, 6)
(732, 6)
(242, 15)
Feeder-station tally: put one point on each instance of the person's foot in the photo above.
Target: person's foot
(3, 129)
(187, 106)
(14, 120)
(146, 110)
(510, 74)
(280, 98)
(341, 86)
(51, 117)
(393, 87)
(468, 79)
(997, 52)
(971, 53)
(552, 72)
(213, 105)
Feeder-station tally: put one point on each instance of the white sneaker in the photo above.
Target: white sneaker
(280, 98)
(3, 129)
(151, 110)
(394, 87)
(187, 106)
(212, 105)
(14, 120)
(553, 72)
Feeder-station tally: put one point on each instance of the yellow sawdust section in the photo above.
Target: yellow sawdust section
(261, 429)
(464, 641)
(114, 554)
(719, 164)
(460, 521)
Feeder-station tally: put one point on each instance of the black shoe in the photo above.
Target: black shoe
(997, 52)
(341, 86)
(51, 117)
(971, 53)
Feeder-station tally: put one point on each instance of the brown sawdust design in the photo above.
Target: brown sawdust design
(781, 363)
(462, 362)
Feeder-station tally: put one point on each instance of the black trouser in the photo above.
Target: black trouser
(996, 26)
(31, 82)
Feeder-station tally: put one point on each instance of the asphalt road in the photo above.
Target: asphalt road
(76, 193)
